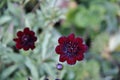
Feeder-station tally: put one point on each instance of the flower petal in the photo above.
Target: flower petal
(26, 30)
(71, 61)
(31, 33)
(19, 33)
(26, 48)
(62, 40)
(62, 58)
(79, 40)
(83, 47)
(32, 47)
(58, 49)
(35, 38)
(18, 46)
(71, 37)
(80, 57)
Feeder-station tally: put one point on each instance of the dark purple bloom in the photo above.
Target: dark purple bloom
(59, 66)
(71, 49)
(25, 40)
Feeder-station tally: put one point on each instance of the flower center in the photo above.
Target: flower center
(25, 40)
(70, 48)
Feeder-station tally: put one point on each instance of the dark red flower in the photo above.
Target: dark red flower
(71, 49)
(26, 39)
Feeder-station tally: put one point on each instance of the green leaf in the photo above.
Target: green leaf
(17, 58)
(100, 42)
(8, 35)
(5, 19)
(48, 69)
(45, 44)
(8, 71)
(32, 68)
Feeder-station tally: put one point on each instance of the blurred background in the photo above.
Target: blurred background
(96, 21)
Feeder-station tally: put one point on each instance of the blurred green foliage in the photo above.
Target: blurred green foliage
(97, 21)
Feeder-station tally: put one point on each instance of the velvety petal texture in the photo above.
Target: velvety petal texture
(71, 49)
(25, 40)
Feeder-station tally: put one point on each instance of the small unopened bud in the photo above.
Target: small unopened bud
(29, 78)
(59, 66)
(46, 78)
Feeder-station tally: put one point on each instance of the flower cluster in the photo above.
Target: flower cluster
(26, 39)
(71, 49)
